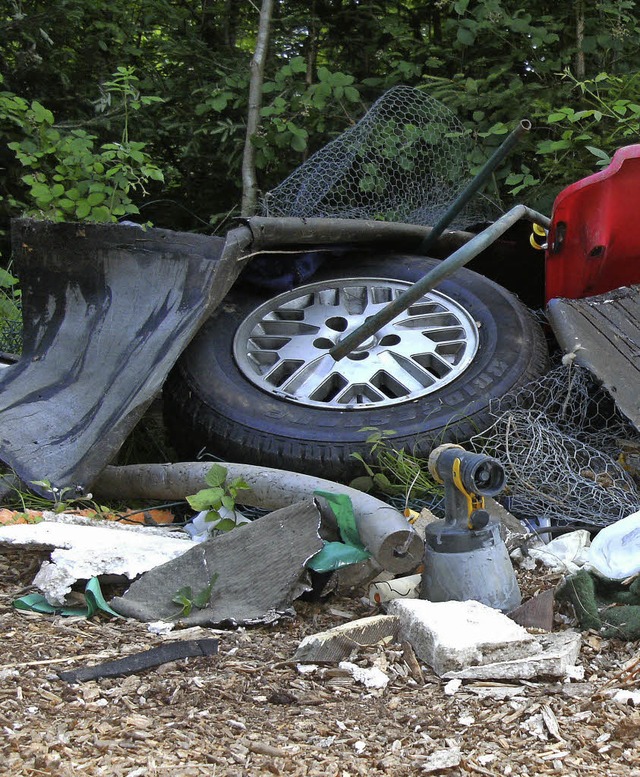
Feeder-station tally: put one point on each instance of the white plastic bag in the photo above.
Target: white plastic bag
(615, 551)
(564, 554)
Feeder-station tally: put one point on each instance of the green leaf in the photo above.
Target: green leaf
(560, 115)
(206, 499)
(184, 598)
(201, 599)
(41, 114)
(351, 94)
(101, 214)
(382, 481)
(362, 483)
(216, 476)
(465, 36)
(95, 198)
(598, 152)
(226, 524)
(298, 65)
(228, 501)
(6, 279)
(83, 209)
(41, 193)
(298, 143)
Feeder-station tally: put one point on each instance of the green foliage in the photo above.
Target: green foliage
(604, 115)
(219, 494)
(68, 178)
(492, 62)
(293, 110)
(187, 600)
(9, 300)
(393, 471)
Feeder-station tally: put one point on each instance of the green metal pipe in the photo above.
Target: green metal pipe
(475, 185)
(370, 327)
(443, 270)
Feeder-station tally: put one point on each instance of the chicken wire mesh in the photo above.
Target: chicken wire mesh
(406, 160)
(565, 449)
(10, 336)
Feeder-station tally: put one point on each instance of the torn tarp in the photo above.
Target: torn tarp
(258, 570)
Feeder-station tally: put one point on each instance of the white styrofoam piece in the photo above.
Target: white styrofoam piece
(81, 551)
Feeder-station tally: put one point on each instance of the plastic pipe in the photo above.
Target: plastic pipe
(384, 531)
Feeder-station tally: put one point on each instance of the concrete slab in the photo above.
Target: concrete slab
(451, 636)
(338, 643)
(558, 655)
(81, 550)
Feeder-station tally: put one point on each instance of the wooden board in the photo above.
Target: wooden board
(604, 334)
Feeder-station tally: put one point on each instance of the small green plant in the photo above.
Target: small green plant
(10, 316)
(60, 501)
(68, 178)
(186, 599)
(394, 471)
(220, 494)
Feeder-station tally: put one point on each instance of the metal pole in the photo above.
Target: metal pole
(443, 270)
(371, 326)
(474, 186)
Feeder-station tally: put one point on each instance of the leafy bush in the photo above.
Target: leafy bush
(68, 177)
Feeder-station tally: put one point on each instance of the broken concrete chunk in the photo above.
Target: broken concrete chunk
(370, 677)
(624, 696)
(339, 642)
(440, 760)
(450, 636)
(556, 658)
(246, 576)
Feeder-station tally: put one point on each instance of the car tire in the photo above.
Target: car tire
(214, 403)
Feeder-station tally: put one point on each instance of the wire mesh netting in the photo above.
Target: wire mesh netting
(564, 447)
(406, 160)
(10, 336)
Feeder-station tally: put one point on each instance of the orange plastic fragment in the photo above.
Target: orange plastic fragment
(11, 517)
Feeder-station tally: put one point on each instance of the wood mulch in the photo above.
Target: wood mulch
(251, 711)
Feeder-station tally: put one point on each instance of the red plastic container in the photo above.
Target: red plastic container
(594, 239)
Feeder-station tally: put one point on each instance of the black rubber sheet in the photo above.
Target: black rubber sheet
(108, 309)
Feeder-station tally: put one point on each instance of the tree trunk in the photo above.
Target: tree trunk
(579, 65)
(249, 182)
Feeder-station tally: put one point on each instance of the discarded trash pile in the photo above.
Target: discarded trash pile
(568, 452)
(405, 160)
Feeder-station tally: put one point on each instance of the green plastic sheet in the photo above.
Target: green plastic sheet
(335, 555)
(94, 602)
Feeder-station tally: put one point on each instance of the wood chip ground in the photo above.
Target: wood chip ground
(251, 711)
